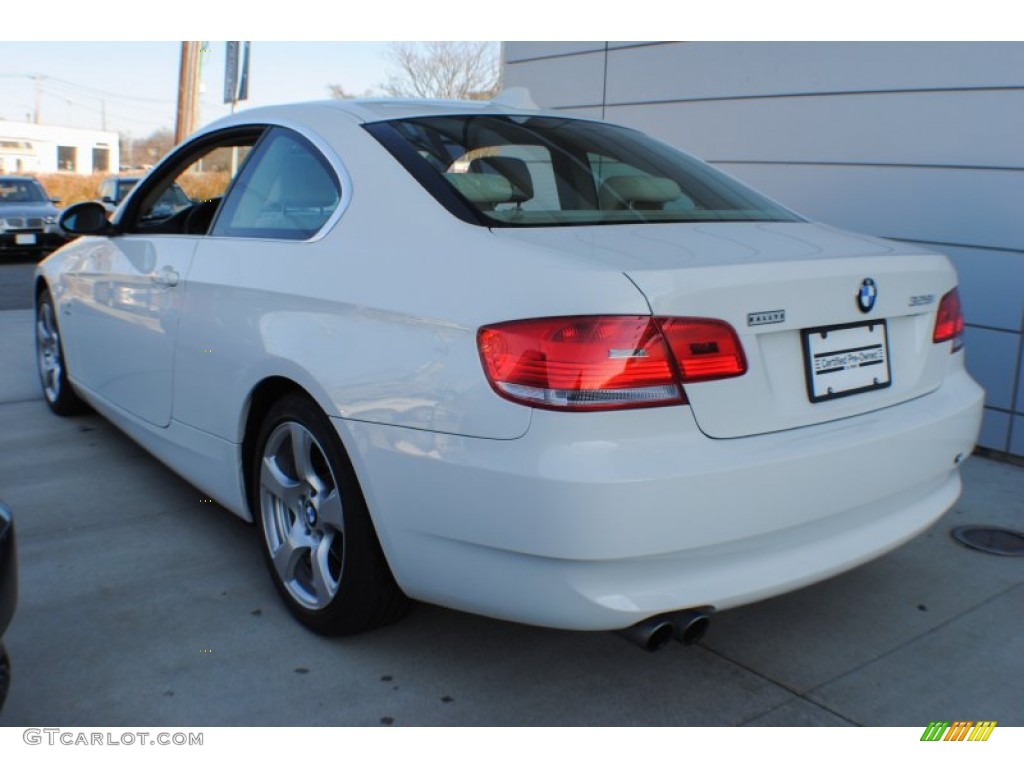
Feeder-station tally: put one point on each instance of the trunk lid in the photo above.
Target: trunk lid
(791, 292)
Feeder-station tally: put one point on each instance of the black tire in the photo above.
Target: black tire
(50, 362)
(317, 536)
(5, 675)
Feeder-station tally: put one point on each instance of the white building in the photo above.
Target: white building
(920, 142)
(32, 148)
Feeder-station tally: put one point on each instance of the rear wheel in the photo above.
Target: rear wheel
(53, 375)
(318, 539)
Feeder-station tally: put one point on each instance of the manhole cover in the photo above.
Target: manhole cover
(995, 541)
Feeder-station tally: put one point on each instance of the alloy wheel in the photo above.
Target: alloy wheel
(302, 515)
(48, 353)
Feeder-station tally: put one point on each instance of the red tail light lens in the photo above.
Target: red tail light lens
(704, 349)
(949, 322)
(601, 363)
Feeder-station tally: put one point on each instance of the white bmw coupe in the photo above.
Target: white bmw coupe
(540, 368)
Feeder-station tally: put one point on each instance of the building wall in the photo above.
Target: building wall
(32, 148)
(921, 142)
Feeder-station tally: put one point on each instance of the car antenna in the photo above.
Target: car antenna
(516, 97)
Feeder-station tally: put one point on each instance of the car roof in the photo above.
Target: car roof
(513, 101)
(373, 110)
(18, 178)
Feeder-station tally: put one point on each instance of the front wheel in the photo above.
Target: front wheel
(319, 540)
(53, 374)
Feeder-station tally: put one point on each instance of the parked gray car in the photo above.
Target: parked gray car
(28, 218)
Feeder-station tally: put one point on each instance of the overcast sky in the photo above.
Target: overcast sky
(135, 84)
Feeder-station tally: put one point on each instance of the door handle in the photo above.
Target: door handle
(167, 276)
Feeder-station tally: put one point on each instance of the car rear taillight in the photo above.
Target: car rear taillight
(601, 363)
(949, 322)
(703, 349)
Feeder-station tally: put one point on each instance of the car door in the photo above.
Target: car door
(242, 288)
(128, 291)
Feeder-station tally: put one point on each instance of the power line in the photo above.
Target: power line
(110, 93)
(59, 94)
(79, 86)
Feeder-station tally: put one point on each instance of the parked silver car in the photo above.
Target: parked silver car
(28, 218)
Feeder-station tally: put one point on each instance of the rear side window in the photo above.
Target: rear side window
(550, 171)
(286, 191)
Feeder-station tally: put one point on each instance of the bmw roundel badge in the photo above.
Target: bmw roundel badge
(866, 295)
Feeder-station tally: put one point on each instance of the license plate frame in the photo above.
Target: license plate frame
(23, 238)
(844, 360)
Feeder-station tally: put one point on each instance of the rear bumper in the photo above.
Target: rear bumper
(595, 521)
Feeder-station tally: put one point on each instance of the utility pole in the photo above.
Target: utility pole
(188, 90)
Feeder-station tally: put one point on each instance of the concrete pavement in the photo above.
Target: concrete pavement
(143, 605)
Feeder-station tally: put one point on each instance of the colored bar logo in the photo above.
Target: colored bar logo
(960, 730)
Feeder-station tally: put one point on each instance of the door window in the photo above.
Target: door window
(185, 194)
(287, 191)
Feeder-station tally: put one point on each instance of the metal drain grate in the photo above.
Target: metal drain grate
(994, 541)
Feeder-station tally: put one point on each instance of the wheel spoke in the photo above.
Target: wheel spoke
(283, 488)
(330, 512)
(302, 453)
(294, 546)
(48, 352)
(324, 585)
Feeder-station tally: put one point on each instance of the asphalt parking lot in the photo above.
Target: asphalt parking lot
(142, 604)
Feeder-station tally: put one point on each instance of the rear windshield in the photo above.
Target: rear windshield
(550, 171)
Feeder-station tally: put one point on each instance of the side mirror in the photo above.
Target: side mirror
(109, 199)
(86, 219)
(55, 200)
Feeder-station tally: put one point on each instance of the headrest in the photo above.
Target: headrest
(512, 168)
(625, 191)
(482, 189)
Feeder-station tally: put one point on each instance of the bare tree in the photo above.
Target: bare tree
(337, 91)
(146, 151)
(443, 70)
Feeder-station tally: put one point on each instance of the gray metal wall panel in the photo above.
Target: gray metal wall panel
(1018, 404)
(995, 430)
(636, 43)
(1017, 438)
(722, 70)
(563, 82)
(992, 361)
(973, 128)
(523, 49)
(961, 207)
(987, 280)
(590, 112)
